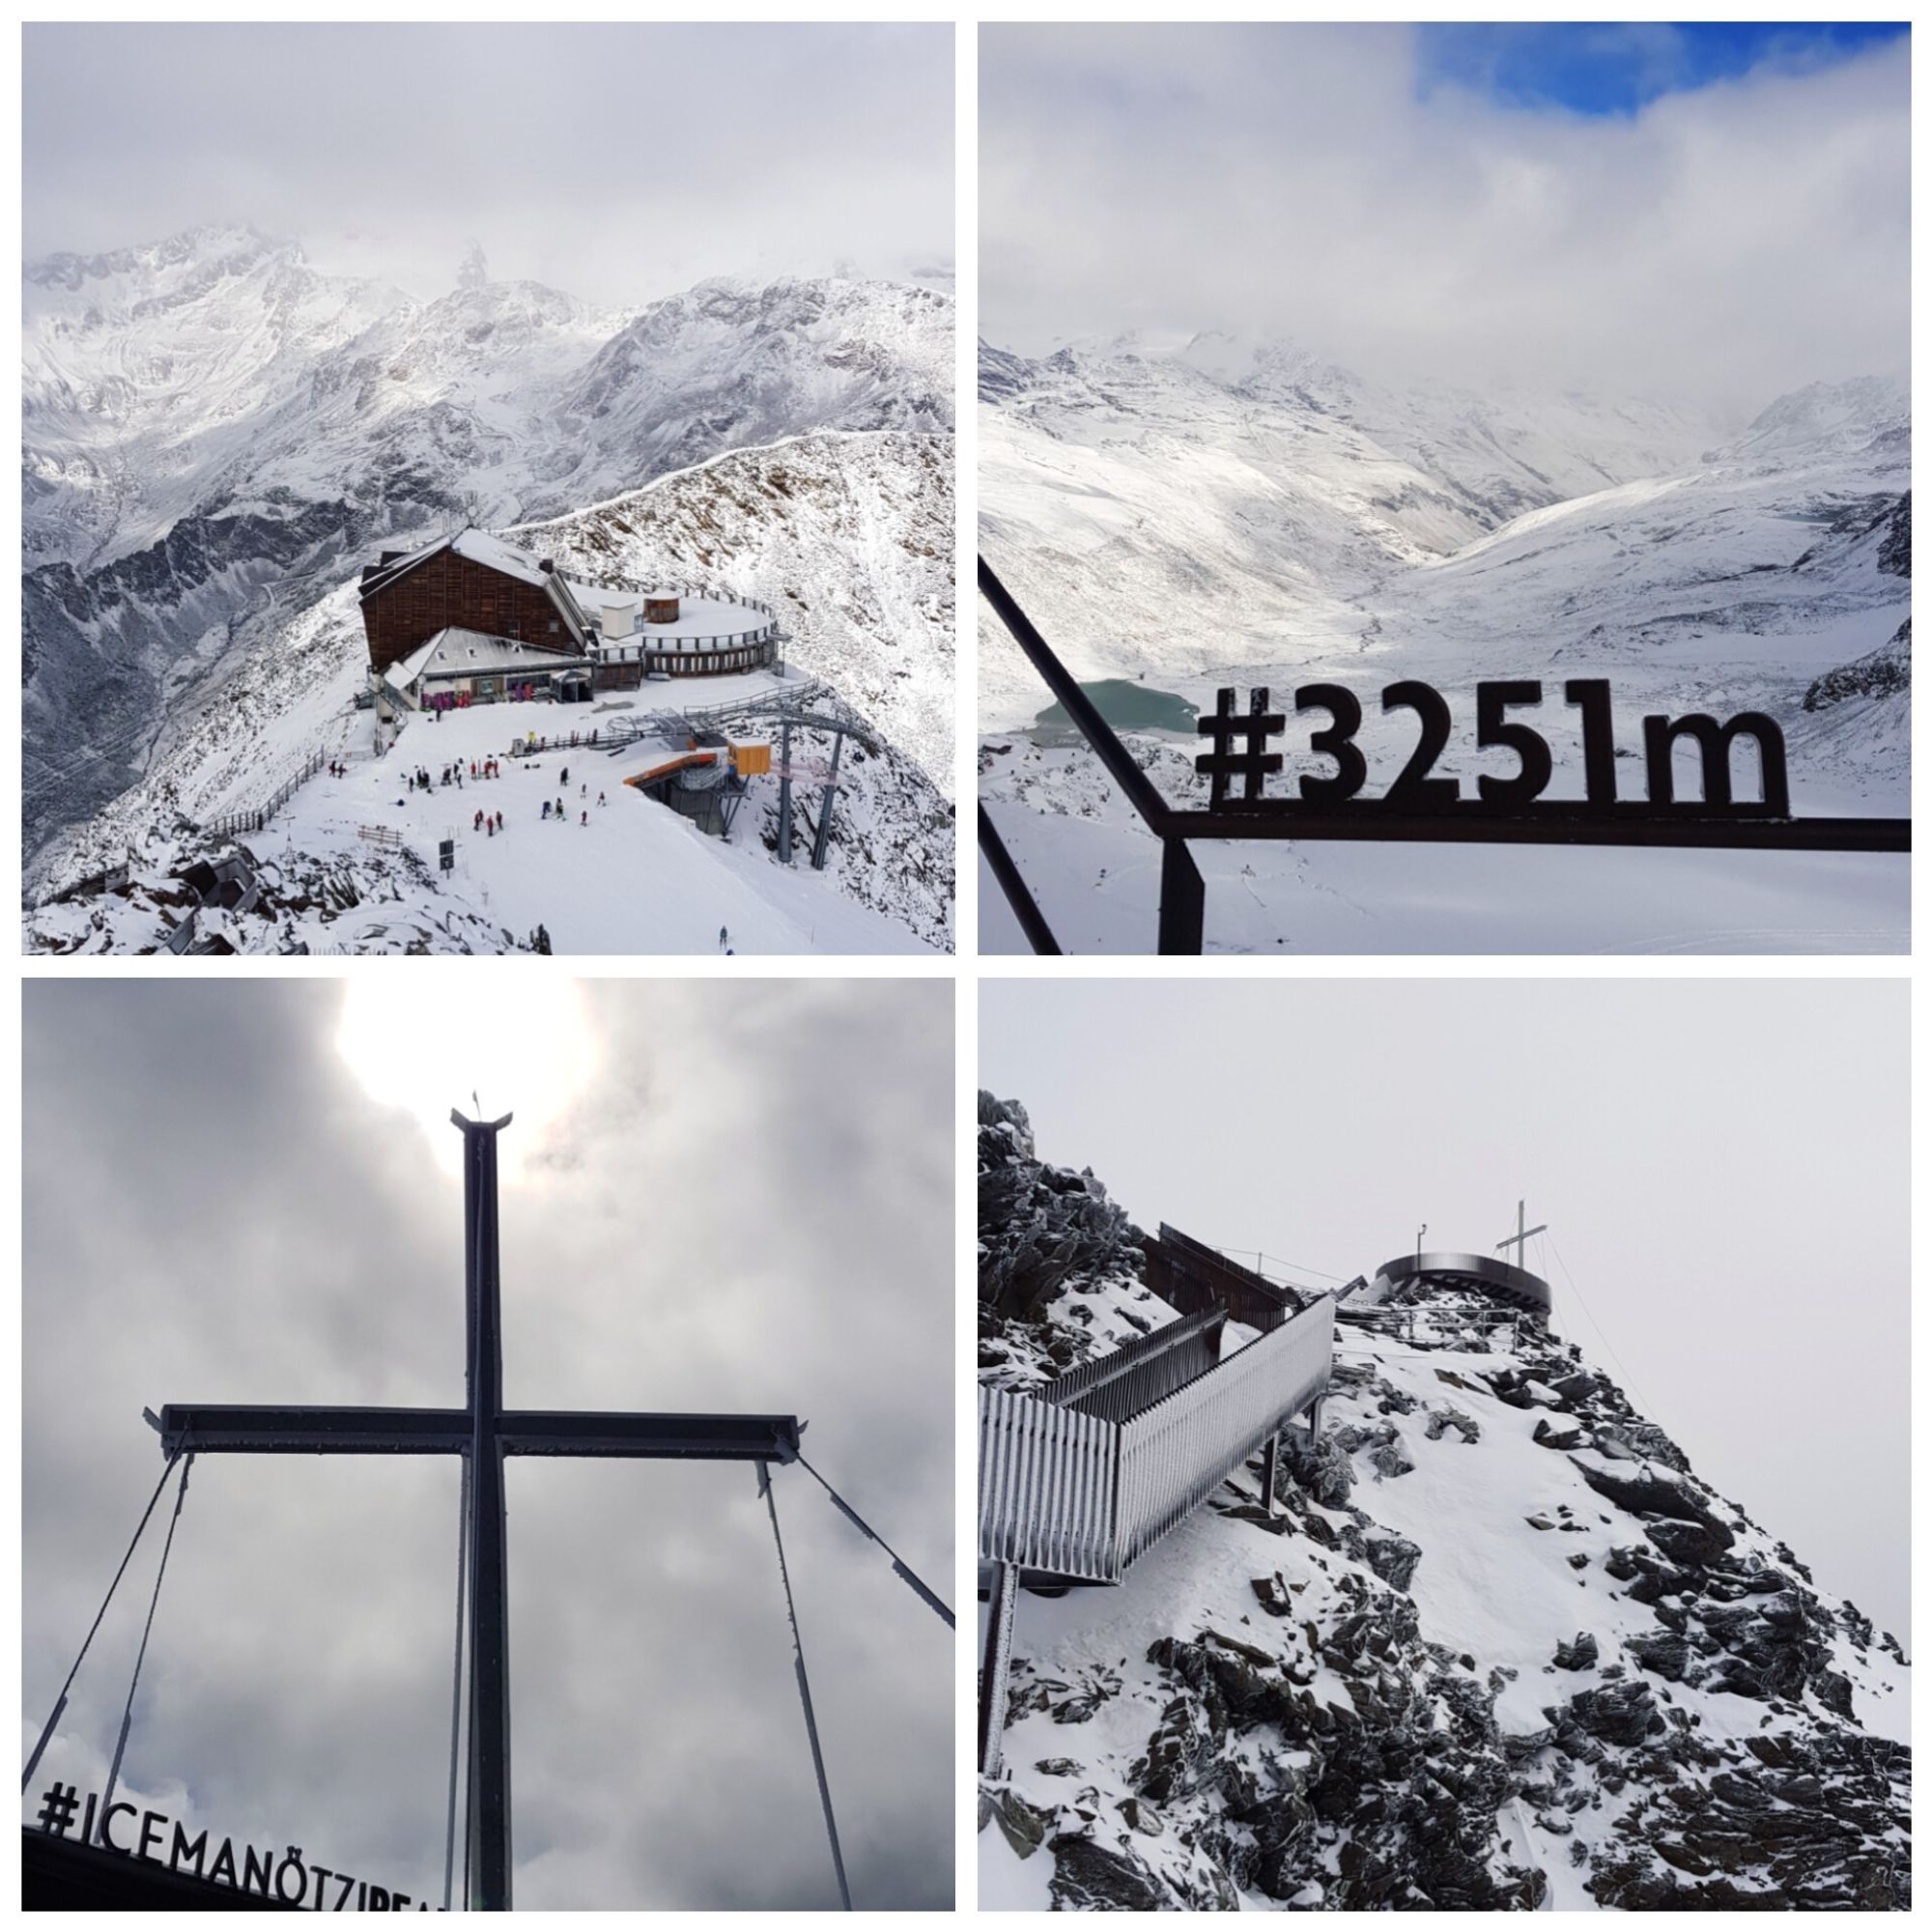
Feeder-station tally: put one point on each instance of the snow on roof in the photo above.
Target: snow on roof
(455, 652)
(478, 546)
(697, 617)
(404, 671)
(483, 549)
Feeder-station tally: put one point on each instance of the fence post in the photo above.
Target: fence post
(996, 1668)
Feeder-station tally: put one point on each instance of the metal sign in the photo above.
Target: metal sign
(286, 1880)
(445, 853)
(1421, 806)
(1239, 739)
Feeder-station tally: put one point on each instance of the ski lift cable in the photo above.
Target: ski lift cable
(456, 1689)
(60, 1703)
(900, 1564)
(805, 1688)
(141, 1655)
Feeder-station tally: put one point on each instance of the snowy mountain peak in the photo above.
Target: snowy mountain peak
(192, 254)
(214, 431)
(1496, 1646)
(1824, 419)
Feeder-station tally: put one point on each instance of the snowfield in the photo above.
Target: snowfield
(1166, 520)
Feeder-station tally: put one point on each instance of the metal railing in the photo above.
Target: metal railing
(1079, 1498)
(1139, 1373)
(1182, 906)
(1177, 1454)
(253, 818)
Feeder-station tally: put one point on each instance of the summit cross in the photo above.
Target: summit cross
(1520, 1238)
(484, 1432)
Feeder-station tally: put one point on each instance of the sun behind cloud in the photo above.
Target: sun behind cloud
(471, 1047)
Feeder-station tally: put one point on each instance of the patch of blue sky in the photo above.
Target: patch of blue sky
(1607, 69)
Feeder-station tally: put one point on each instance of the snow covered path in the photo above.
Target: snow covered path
(633, 878)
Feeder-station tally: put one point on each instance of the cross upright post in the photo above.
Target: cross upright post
(1520, 1241)
(484, 1432)
(489, 1549)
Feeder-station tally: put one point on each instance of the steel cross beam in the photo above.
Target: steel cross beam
(485, 1432)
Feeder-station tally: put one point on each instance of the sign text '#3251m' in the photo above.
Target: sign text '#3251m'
(1240, 739)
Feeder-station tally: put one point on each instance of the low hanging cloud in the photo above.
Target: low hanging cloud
(620, 163)
(750, 1207)
(1722, 246)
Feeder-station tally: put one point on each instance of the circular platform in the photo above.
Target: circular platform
(1478, 1271)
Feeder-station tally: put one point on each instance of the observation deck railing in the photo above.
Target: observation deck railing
(1069, 1496)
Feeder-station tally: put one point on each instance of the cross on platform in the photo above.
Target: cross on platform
(484, 1432)
(1520, 1240)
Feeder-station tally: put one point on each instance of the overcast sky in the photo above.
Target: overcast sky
(748, 1207)
(1409, 202)
(1722, 1165)
(617, 162)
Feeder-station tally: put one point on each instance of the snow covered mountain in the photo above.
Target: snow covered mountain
(213, 430)
(1193, 519)
(847, 535)
(1499, 1648)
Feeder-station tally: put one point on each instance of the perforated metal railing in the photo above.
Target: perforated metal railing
(1080, 1497)
(1177, 1454)
(1137, 1374)
(1046, 1486)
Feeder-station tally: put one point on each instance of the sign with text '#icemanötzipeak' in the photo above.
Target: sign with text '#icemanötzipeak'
(288, 1880)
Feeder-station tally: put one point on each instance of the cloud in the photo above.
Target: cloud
(1722, 245)
(620, 163)
(757, 1215)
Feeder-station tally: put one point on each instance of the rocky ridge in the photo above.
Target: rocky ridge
(1499, 1648)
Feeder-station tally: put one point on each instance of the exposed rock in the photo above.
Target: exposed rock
(1619, 1713)
(1557, 1439)
(1580, 1653)
(1023, 1825)
(1089, 1877)
(1884, 673)
(1392, 1558)
(1690, 1542)
(1662, 1653)
(1322, 1470)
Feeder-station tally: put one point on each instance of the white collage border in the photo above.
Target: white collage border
(964, 968)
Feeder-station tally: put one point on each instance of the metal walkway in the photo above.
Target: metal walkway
(1079, 1481)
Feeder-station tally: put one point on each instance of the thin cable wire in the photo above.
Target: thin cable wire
(899, 1563)
(456, 1690)
(805, 1688)
(1630, 1380)
(59, 1702)
(1262, 1254)
(141, 1655)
